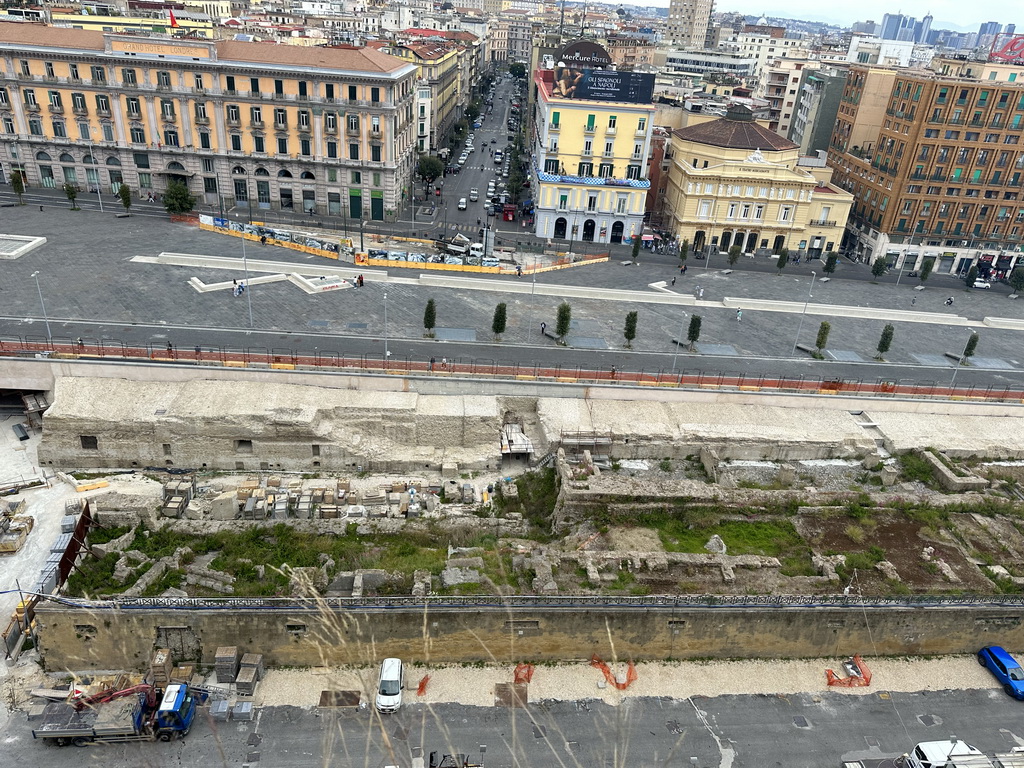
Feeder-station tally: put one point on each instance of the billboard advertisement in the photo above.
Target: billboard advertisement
(1007, 48)
(603, 85)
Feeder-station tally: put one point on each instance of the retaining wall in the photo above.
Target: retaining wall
(83, 638)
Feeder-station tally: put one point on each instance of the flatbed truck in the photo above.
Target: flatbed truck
(146, 715)
(952, 753)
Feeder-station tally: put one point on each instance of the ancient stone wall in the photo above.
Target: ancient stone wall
(309, 637)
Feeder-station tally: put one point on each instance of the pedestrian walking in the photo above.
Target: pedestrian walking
(696, 292)
(432, 361)
(263, 239)
(673, 281)
(913, 301)
(543, 327)
(739, 315)
(444, 363)
(684, 269)
(519, 270)
(40, 209)
(949, 302)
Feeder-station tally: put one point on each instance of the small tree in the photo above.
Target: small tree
(125, 194)
(822, 341)
(782, 261)
(972, 275)
(72, 192)
(563, 320)
(830, 263)
(878, 268)
(734, 254)
(693, 332)
(430, 317)
(1016, 279)
(429, 168)
(637, 240)
(926, 269)
(18, 185)
(972, 344)
(630, 330)
(499, 320)
(517, 70)
(885, 341)
(684, 250)
(177, 198)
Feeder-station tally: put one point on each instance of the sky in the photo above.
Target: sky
(955, 14)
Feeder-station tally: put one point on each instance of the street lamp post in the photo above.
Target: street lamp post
(803, 314)
(679, 342)
(387, 354)
(960, 360)
(248, 289)
(99, 184)
(362, 246)
(533, 303)
(42, 304)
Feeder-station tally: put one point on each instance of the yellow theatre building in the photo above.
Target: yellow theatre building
(733, 182)
(249, 125)
(591, 144)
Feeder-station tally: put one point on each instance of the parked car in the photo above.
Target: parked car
(1005, 668)
(985, 284)
(462, 204)
(389, 685)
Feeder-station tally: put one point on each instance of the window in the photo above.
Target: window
(332, 149)
(590, 122)
(204, 140)
(329, 90)
(167, 109)
(375, 95)
(353, 122)
(138, 135)
(3, 97)
(353, 151)
(641, 125)
(563, 202)
(591, 202)
(25, 68)
(29, 97)
(199, 82)
(58, 130)
(331, 121)
(303, 120)
(606, 170)
(233, 113)
(357, 177)
(611, 121)
(89, 442)
(55, 101)
(35, 126)
(280, 118)
(83, 130)
(141, 160)
(633, 172)
(200, 110)
(785, 213)
(303, 92)
(256, 115)
(132, 106)
(259, 145)
(236, 142)
(352, 91)
(171, 137)
(621, 204)
(103, 103)
(279, 87)
(78, 102)
(146, 180)
(73, 72)
(128, 77)
(254, 85)
(305, 147)
(282, 146)
(375, 124)
(99, 76)
(585, 169)
(207, 165)
(48, 66)
(163, 79)
(375, 153)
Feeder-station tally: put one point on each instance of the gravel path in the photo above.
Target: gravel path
(474, 686)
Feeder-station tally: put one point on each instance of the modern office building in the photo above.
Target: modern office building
(688, 22)
(732, 182)
(935, 164)
(241, 124)
(591, 148)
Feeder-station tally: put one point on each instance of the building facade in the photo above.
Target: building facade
(437, 62)
(936, 166)
(688, 21)
(248, 125)
(590, 166)
(732, 182)
(816, 110)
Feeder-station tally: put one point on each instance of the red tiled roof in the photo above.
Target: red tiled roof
(734, 134)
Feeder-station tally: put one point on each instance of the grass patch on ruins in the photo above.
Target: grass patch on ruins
(769, 538)
(538, 493)
(98, 535)
(94, 577)
(915, 469)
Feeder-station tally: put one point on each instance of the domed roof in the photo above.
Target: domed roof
(737, 130)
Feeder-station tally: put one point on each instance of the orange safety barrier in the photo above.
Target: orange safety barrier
(421, 689)
(631, 675)
(854, 681)
(524, 673)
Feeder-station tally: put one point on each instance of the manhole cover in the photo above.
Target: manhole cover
(929, 720)
(511, 695)
(252, 757)
(539, 731)
(339, 698)
(801, 722)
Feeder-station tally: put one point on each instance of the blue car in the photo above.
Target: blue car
(1005, 668)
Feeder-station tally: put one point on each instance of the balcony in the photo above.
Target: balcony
(587, 152)
(33, 107)
(553, 126)
(256, 125)
(234, 122)
(350, 131)
(80, 110)
(821, 223)
(610, 130)
(57, 109)
(589, 129)
(280, 126)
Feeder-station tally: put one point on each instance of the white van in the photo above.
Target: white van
(390, 685)
(476, 249)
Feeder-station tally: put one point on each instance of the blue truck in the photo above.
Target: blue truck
(142, 713)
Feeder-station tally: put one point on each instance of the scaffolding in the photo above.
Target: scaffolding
(575, 444)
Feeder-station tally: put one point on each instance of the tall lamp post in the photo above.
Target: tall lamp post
(960, 360)
(49, 337)
(99, 184)
(803, 314)
(387, 354)
(248, 289)
(679, 342)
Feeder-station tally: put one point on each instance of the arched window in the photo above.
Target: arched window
(283, 174)
(261, 172)
(113, 161)
(42, 156)
(66, 158)
(238, 170)
(89, 160)
(175, 166)
(307, 175)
